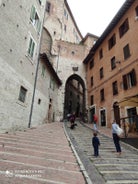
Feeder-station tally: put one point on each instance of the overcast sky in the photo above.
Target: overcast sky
(93, 16)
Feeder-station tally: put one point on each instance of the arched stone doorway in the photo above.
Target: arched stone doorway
(75, 100)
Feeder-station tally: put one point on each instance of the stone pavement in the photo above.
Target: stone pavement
(40, 155)
(54, 154)
(131, 139)
(107, 131)
(109, 167)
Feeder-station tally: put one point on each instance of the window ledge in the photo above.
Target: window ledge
(21, 103)
(29, 58)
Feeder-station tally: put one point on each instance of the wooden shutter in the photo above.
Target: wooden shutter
(32, 15)
(125, 82)
(134, 77)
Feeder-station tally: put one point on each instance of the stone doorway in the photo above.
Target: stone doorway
(74, 101)
(103, 117)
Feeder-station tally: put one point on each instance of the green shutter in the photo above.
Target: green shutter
(38, 26)
(29, 49)
(32, 16)
(32, 48)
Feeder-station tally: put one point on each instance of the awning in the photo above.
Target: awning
(129, 101)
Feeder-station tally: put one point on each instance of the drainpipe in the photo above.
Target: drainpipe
(36, 72)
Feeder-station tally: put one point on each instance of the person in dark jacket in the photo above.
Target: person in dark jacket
(72, 121)
(116, 138)
(96, 144)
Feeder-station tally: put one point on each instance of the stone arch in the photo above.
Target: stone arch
(75, 96)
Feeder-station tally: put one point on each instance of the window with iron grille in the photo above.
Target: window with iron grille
(22, 94)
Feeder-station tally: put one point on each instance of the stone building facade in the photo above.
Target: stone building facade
(112, 69)
(66, 49)
(35, 63)
(20, 35)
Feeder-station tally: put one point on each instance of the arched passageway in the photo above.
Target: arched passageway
(75, 100)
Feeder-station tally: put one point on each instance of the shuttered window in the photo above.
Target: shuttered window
(112, 42)
(35, 19)
(126, 51)
(113, 63)
(102, 94)
(123, 28)
(115, 88)
(31, 48)
(129, 80)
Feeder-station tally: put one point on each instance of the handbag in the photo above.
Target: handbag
(119, 131)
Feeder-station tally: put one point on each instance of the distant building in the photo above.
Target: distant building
(112, 69)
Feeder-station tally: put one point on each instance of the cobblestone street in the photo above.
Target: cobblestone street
(109, 167)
